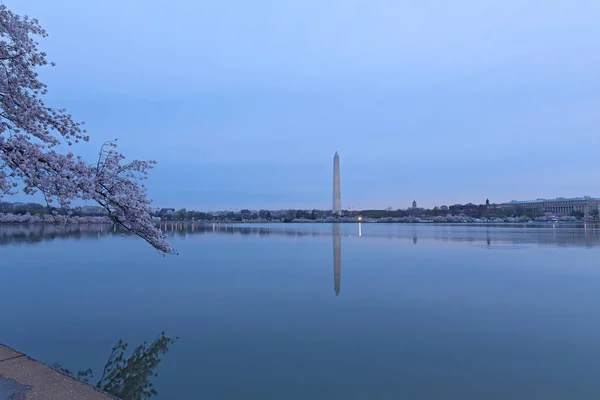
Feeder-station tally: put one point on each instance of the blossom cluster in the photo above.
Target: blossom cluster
(49, 218)
(30, 132)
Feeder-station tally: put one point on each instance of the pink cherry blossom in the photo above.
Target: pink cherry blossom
(29, 132)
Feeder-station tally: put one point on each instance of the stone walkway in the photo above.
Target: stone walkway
(23, 378)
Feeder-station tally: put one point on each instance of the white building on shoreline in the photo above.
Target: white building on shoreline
(560, 205)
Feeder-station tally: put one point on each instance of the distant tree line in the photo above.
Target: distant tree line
(483, 211)
(40, 209)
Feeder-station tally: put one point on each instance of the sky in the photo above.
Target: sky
(244, 103)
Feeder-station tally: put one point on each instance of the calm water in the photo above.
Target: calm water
(318, 311)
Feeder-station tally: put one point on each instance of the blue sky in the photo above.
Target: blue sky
(243, 103)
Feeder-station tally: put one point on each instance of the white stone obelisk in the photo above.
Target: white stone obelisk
(337, 200)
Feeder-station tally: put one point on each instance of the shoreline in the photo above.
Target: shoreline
(259, 222)
(422, 222)
(22, 376)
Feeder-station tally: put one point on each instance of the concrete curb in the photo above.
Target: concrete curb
(24, 378)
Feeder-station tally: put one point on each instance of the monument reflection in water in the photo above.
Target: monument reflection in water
(337, 257)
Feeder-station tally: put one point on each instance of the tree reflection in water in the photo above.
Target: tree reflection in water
(129, 378)
(563, 235)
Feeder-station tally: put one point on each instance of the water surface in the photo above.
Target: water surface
(301, 311)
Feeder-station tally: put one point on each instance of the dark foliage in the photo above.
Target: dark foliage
(129, 378)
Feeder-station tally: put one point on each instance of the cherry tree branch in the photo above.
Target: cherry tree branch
(34, 129)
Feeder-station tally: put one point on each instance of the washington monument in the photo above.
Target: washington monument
(337, 200)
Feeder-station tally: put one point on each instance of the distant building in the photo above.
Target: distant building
(469, 207)
(414, 204)
(560, 205)
(166, 211)
(91, 210)
(245, 213)
(463, 207)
